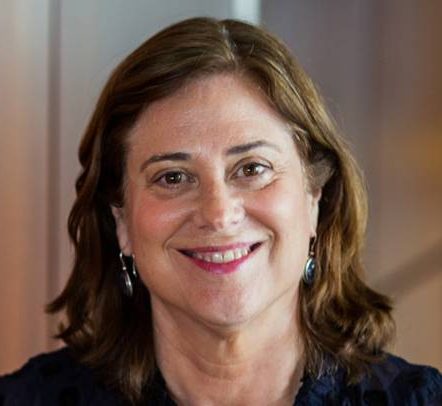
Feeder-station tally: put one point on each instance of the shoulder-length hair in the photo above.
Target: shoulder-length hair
(343, 322)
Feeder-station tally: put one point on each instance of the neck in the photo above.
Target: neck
(258, 362)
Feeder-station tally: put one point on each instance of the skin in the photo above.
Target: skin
(220, 338)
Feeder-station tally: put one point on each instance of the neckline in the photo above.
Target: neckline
(311, 390)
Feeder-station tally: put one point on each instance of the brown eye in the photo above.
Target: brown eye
(252, 169)
(174, 179)
(253, 175)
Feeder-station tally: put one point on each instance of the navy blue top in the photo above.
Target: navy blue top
(57, 379)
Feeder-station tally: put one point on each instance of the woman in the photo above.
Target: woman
(216, 190)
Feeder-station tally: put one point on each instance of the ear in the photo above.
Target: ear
(122, 230)
(314, 199)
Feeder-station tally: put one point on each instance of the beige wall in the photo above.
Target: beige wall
(24, 171)
(409, 155)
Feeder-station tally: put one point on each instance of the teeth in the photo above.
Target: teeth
(217, 257)
(228, 256)
(222, 257)
(238, 254)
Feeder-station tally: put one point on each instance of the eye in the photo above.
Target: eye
(253, 175)
(251, 169)
(174, 179)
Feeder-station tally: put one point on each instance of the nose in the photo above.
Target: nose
(220, 208)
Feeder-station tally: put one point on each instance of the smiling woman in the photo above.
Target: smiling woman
(217, 191)
(229, 183)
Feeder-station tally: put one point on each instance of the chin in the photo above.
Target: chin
(229, 313)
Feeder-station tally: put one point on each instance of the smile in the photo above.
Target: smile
(221, 259)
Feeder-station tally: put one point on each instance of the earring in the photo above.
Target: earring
(127, 281)
(308, 275)
(134, 269)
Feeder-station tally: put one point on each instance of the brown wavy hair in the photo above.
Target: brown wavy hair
(343, 322)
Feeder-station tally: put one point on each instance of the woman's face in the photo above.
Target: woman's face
(217, 210)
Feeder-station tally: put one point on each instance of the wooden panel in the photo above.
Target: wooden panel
(24, 179)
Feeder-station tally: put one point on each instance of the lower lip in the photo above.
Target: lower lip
(221, 268)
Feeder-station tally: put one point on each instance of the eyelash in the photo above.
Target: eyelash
(179, 174)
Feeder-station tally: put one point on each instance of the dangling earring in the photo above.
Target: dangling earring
(134, 270)
(127, 281)
(308, 275)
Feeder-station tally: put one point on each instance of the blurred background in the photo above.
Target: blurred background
(378, 64)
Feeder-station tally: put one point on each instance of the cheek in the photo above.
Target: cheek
(283, 207)
(153, 220)
(283, 210)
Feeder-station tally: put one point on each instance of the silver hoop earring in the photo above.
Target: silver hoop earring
(308, 276)
(127, 281)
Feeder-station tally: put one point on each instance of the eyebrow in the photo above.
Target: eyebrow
(185, 156)
(240, 149)
(173, 156)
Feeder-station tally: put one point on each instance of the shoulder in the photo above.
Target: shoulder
(395, 381)
(54, 379)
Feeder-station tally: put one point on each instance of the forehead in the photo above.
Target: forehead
(219, 104)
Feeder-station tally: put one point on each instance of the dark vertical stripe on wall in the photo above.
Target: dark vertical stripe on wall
(53, 198)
